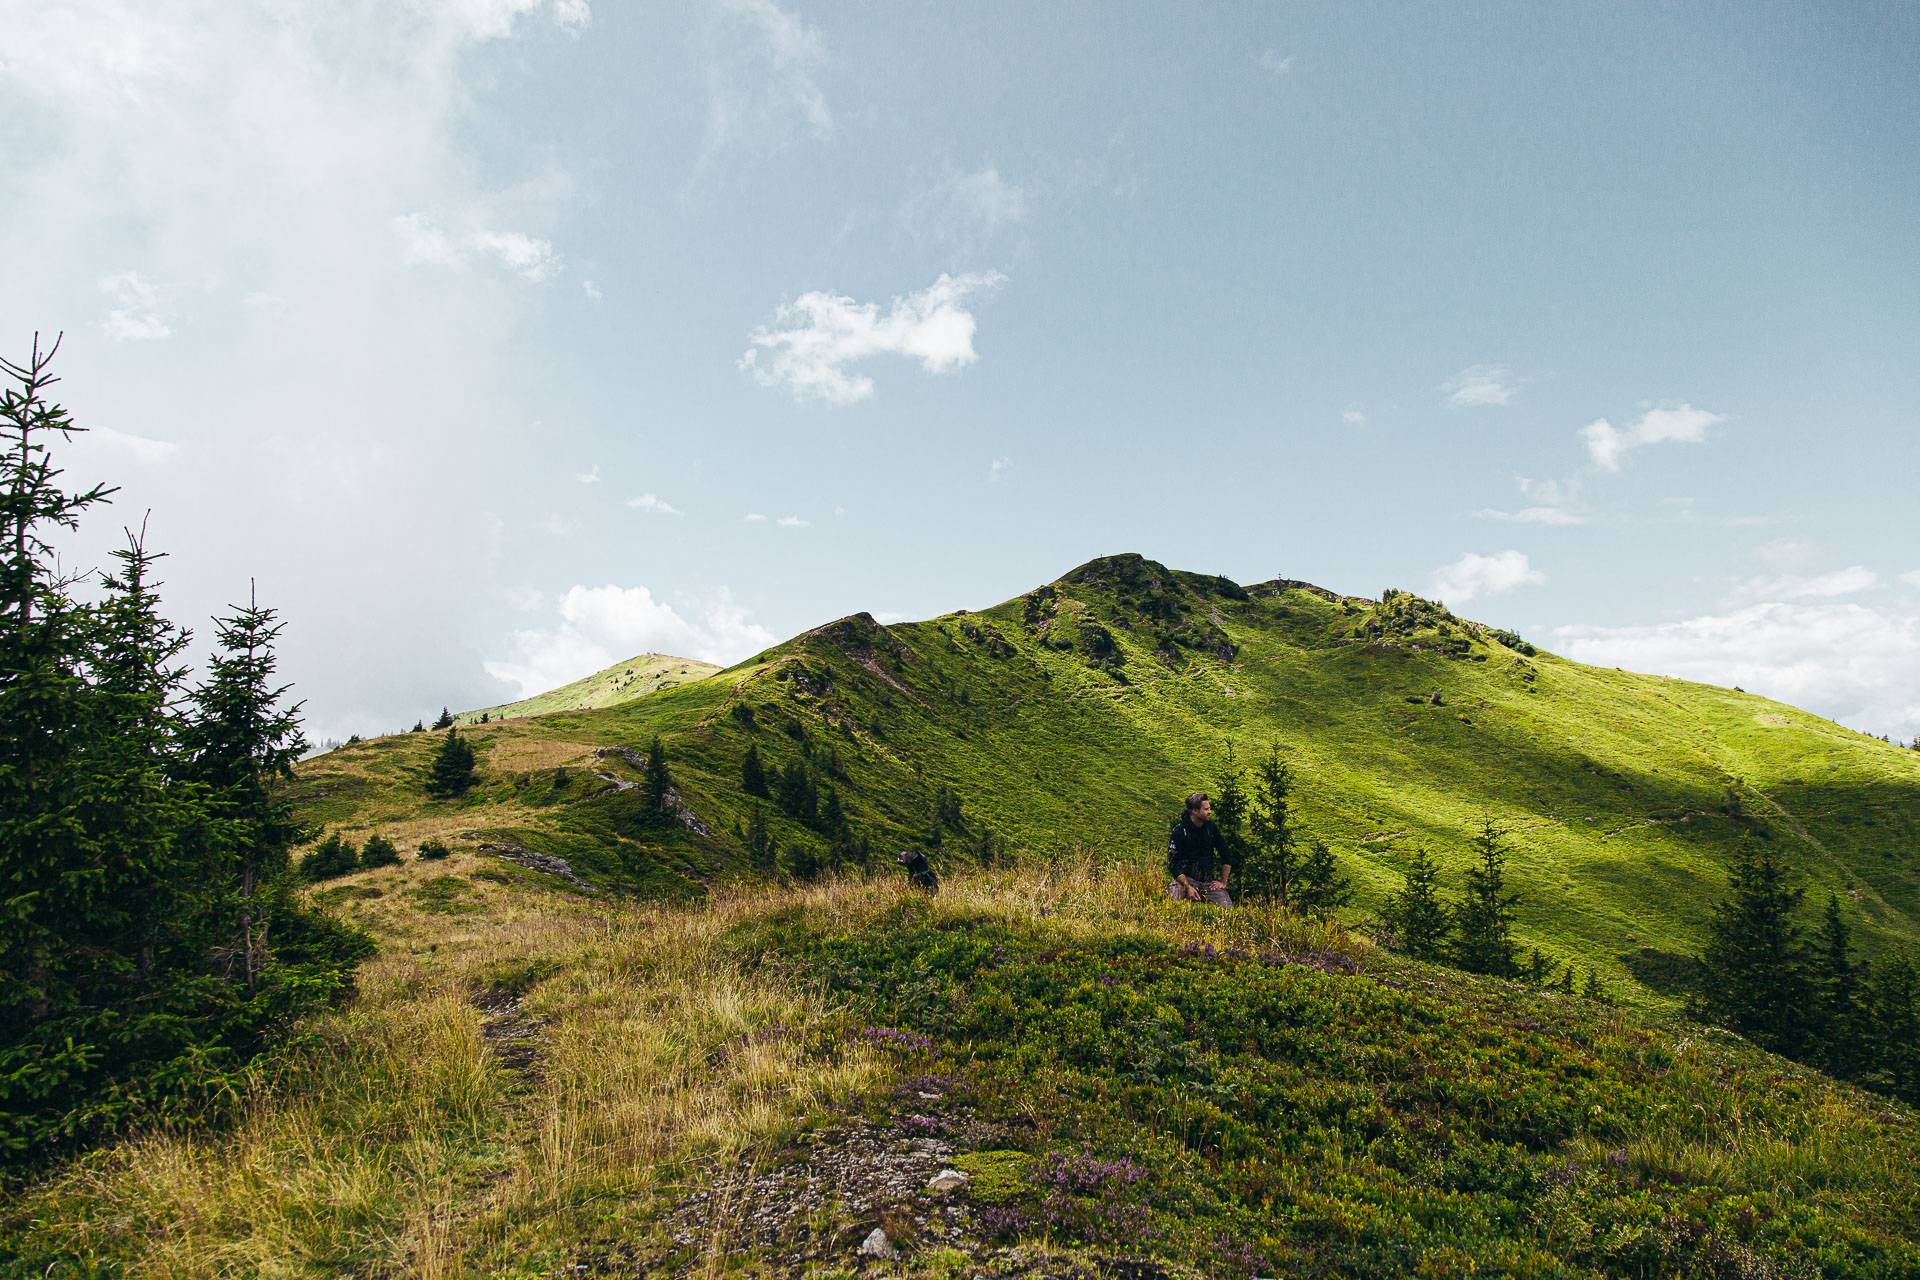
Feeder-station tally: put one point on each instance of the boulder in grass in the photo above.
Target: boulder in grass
(876, 1245)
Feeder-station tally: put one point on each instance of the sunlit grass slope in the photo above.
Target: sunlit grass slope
(538, 1084)
(621, 682)
(1077, 714)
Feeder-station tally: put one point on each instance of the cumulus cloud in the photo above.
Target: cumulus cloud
(648, 502)
(599, 626)
(1482, 386)
(1273, 63)
(795, 522)
(1858, 664)
(589, 477)
(753, 517)
(1607, 444)
(592, 290)
(816, 337)
(1474, 575)
(135, 312)
(998, 468)
(1911, 578)
(1353, 417)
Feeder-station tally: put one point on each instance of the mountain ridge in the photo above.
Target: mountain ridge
(1075, 714)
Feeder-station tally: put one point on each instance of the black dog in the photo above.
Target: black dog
(918, 871)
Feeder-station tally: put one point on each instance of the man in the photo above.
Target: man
(919, 873)
(1197, 866)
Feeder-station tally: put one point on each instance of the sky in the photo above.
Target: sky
(498, 340)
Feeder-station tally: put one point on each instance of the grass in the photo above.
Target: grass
(1079, 713)
(621, 682)
(1218, 1093)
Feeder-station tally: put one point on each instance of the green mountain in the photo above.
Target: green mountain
(1074, 717)
(622, 682)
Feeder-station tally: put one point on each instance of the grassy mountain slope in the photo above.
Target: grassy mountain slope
(1077, 714)
(622, 682)
(536, 1083)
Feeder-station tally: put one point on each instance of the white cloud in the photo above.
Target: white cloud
(1271, 62)
(1680, 423)
(561, 526)
(1533, 515)
(592, 290)
(838, 512)
(966, 207)
(424, 243)
(648, 502)
(135, 310)
(1474, 575)
(598, 626)
(998, 468)
(1855, 663)
(818, 335)
(589, 477)
(143, 449)
(761, 64)
(1353, 417)
(239, 167)
(1551, 503)
(753, 517)
(1911, 577)
(1483, 386)
(795, 522)
(1820, 586)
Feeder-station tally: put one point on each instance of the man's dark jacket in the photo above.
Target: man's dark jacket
(1197, 852)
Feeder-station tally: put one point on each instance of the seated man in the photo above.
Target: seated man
(1197, 867)
(919, 873)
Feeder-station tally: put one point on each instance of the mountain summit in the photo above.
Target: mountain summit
(1078, 713)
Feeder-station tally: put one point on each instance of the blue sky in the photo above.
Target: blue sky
(478, 332)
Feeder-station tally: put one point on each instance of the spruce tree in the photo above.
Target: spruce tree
(445, 721)
(1839, 1009)
(244, 744)
(1320, 889)
(1756, 974)
(656, 784)
(1483, 921)
(452, 770)
(1272, 859)
(378, 851)
(1230, 813)
(1421, 923)
(1894, 1006)
(762, 853)
(333, 856)
(799, 795)
(753, 774)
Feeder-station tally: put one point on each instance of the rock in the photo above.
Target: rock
(948, 1181)
(876, 1245)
